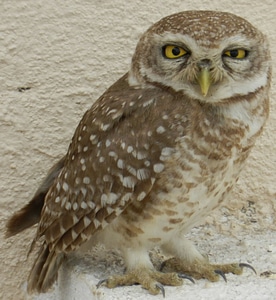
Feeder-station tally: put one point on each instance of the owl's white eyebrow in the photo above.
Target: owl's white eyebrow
(177, 43)
(237, 41)
(184, 41)
(239, 46)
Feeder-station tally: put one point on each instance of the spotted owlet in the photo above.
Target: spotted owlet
(157, 152)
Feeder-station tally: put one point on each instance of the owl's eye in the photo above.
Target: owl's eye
(236, 53)
(172, 51)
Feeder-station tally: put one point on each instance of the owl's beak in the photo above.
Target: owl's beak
(204, 77)
(204, 80)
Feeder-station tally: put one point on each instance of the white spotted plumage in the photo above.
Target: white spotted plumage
(162, 147)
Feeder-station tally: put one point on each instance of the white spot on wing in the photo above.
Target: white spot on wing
(129, 182)
(147, 103)
(129, 149)
(160, 129)
(65, 187)
(123, 145)
(68, 205)
(107, 143)
(86, 221)
(141, 196)
(91, 204)
(141, 154)
(74, 234)
(126, 197)
(96, 223)
(86, 180)
(62, 230)
(109, 210)
(93, 138)
(83, 205)
(108, 199)
(112, 198)
(166, 152)
(83, 191)
(112, 111)
(147, 163)
(63, 201)
(83, 236)
(105, 127)
(113, 154)
(120, 164)
(131, 170)
(143, 174)
(158, 168)
(146, 146)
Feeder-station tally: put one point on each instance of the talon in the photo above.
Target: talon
(161, 288)
(219, 272)
(244, 265)
(101, 282)
(184, 276)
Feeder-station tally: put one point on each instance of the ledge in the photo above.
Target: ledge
(79, 276)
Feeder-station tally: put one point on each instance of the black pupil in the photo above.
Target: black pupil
(175, 51)
(234, 53)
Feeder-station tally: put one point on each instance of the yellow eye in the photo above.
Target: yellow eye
(172, 51)
(236, 53)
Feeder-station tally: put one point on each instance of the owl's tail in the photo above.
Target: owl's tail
(30, 213)
(45, 270)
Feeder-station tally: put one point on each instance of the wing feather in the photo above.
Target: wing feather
(111, 162)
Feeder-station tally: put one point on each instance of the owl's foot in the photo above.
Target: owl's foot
(202, 269)
(150, 280)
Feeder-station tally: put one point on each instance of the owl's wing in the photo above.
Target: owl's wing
(114, 159)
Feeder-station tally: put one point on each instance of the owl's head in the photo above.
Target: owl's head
(207, 55)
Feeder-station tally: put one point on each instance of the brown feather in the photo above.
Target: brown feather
(45, 270)
(29, 215)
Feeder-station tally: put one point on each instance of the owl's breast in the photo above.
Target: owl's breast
(194, 182)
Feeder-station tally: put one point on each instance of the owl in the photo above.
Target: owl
(156, 153)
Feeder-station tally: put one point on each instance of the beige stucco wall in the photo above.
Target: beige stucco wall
(68, 53)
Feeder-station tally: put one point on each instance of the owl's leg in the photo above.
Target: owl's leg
(141, 271)
(189, 261)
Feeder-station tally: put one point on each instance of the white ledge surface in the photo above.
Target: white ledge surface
(79, 276)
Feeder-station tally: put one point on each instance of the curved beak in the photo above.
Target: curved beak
(204, 80)
(204, 77)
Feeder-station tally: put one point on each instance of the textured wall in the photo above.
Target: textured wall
(56, 58)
